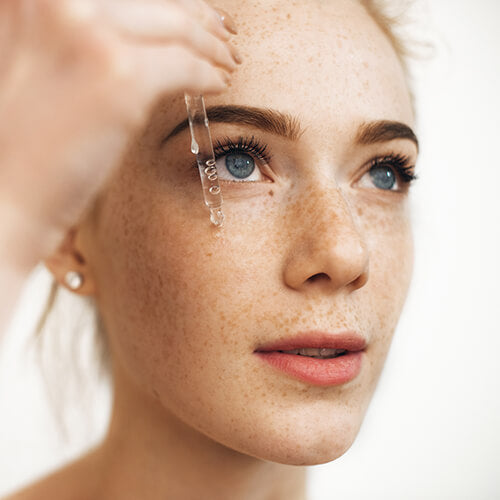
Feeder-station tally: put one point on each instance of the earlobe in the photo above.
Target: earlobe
(69, 266)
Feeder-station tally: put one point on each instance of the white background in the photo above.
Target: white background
(433, 428)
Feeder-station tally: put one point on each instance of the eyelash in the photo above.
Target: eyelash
(398, 162)
(244, 145)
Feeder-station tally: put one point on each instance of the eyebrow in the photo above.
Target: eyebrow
(268, 120)
(383, 131)
(288, 126)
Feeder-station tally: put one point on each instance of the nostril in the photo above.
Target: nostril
(361, 280)
(318, 276)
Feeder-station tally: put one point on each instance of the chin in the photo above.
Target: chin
(306, 454)
(302, 447)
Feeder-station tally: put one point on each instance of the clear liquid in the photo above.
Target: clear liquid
(216, 216)
(194, 147)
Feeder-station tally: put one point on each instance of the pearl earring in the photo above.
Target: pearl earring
(73, 279)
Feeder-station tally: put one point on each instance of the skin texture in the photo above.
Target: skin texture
(196, 415)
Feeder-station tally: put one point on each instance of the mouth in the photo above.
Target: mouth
(316, 343)
(318, 358)
(321, 353)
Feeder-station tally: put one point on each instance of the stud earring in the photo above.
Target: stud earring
(73, 279)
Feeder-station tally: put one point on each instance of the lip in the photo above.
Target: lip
(350, 341)
(320, 372)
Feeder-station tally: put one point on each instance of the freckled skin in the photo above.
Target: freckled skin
(185, 308)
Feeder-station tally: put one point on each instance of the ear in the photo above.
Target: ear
(69, 257)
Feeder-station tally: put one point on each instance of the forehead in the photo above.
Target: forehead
(315, 58)
(325, 62)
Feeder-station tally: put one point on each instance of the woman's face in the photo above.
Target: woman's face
(311, 240)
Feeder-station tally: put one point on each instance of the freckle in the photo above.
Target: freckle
(360, 211)
(288, 16)
(271, 193)
(209, 254)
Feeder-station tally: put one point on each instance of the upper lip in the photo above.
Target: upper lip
(348, 340)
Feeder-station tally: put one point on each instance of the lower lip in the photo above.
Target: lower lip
(333, 371)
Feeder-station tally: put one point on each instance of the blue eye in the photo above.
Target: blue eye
(391, 172)
(383, 177)
(240, 165)
(236, 162)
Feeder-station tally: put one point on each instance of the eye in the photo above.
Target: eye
(237, 167)
(237, 162)
(383, 177)
(390, 173)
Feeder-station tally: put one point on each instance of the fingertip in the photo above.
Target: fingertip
(220, 84)
(227, 21)
(225, 76)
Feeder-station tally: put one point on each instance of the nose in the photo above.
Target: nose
(327, 251)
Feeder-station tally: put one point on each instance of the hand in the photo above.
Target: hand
(77, 77)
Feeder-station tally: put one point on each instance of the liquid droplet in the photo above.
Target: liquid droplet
(216, 217)
(194, 147)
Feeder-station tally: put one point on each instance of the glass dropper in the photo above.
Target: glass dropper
(201, 146)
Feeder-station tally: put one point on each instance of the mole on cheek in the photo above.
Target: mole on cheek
(271, 193)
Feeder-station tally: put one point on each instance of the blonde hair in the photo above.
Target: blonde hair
(390, 20)
(74, 359)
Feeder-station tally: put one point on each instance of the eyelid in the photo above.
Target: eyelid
(244, 145)
(400, 162)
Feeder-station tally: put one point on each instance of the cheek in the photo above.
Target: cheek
(389, 237)
(190, 308)
(185, 298)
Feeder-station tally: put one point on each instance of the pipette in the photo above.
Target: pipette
(201, 146)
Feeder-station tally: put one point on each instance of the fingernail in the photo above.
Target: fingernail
(227, 21)
(226, 77)
(236, 55)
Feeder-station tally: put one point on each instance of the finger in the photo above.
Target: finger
(132, 11)
(213, 19)
(175, 69)
(227, 21)
(158, 23)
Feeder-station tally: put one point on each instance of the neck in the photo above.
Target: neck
(150, 453)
